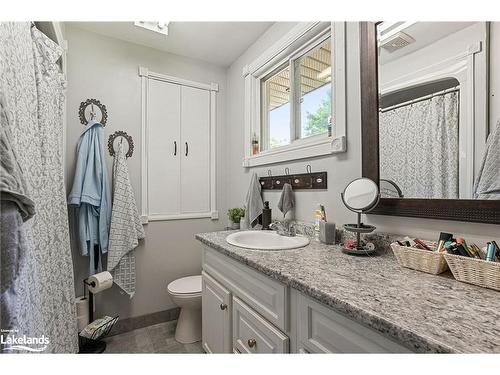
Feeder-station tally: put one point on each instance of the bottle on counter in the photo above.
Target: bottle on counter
(255, 144)
(266, 216)
(317, 220)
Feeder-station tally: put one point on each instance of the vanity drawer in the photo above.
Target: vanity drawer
(253, 334)
(267, 296)
(322, 330)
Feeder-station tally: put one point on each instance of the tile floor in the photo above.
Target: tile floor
(158, 338)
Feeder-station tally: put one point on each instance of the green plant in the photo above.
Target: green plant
(235, 214)
(317, 122)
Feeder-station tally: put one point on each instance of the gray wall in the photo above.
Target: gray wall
(107, 69)
(341, 168)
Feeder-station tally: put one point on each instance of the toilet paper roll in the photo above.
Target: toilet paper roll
(82, 306)
(100, 281)
(82, 321)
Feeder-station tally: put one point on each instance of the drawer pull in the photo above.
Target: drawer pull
(223, 306)
(252, 343)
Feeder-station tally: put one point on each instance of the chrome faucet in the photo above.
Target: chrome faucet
(286, 228)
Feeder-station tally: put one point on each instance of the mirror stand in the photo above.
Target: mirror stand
(360, 196)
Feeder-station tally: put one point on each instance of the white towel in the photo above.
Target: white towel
(487, 185)
(253, 202)
(126, 227)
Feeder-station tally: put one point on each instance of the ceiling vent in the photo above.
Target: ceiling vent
(396, 41)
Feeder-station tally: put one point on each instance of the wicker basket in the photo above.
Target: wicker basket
(420, 260)
(475, 271)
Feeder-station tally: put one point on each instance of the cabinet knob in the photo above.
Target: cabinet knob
(252, 343)
(223, 306)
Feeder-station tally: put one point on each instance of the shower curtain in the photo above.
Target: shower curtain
(419, 147)
(32, 87)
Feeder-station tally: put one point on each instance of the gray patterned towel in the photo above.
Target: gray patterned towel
(126, 228)
(487, 185)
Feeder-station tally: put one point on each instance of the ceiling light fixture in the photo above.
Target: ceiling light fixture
(156, 26)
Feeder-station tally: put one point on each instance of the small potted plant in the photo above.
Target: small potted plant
(235, 215)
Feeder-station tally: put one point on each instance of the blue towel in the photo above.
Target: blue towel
(91, 195)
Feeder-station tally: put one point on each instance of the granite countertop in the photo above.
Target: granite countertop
(424, 312)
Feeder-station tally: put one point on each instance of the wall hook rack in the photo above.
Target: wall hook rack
(120, 133)
(92, 102)
(302, 181)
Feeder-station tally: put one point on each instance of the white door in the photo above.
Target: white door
(164, 148)
(195, 150)
(216, 316)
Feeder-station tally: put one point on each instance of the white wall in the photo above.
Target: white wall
(107, 69)
(494, 73)
(341, 168)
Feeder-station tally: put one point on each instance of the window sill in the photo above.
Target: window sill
(299, 150)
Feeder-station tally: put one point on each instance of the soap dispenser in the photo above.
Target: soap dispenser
(266, 216)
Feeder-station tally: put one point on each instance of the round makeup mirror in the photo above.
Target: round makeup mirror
(361, 195)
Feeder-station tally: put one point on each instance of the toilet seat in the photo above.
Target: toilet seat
(186, 286)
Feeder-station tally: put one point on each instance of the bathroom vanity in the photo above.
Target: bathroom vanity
(317, 300)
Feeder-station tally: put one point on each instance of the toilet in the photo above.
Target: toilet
(186, 293)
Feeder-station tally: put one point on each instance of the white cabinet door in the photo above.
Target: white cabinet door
(323, 330)
(266, 296)
(195, 150)
(253, 334)
(216, 316)
(164, 148)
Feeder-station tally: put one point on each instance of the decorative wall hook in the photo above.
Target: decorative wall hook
(301, 181)
(92, 102)
(120, 133)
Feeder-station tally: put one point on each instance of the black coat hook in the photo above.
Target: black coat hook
(120, 133)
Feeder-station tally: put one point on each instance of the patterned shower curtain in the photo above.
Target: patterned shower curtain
(32, 87)
(419, 147)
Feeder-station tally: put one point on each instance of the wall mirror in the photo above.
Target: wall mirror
(429, 118)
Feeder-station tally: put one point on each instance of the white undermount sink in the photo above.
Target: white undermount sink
(265, 240)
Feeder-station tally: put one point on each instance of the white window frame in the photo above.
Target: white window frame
(300, 38)
(213, 88)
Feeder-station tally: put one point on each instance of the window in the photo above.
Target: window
(295, 96)
(276, 96)
(314, 76)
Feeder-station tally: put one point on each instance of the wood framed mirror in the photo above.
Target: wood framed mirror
(458, 203)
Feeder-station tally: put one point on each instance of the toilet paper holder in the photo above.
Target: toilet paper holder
(94, 344)
(86, 285)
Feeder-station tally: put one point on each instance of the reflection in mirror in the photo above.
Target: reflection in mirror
(433, 119)
(361, 194)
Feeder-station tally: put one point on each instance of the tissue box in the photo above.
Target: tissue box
(327, 232)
